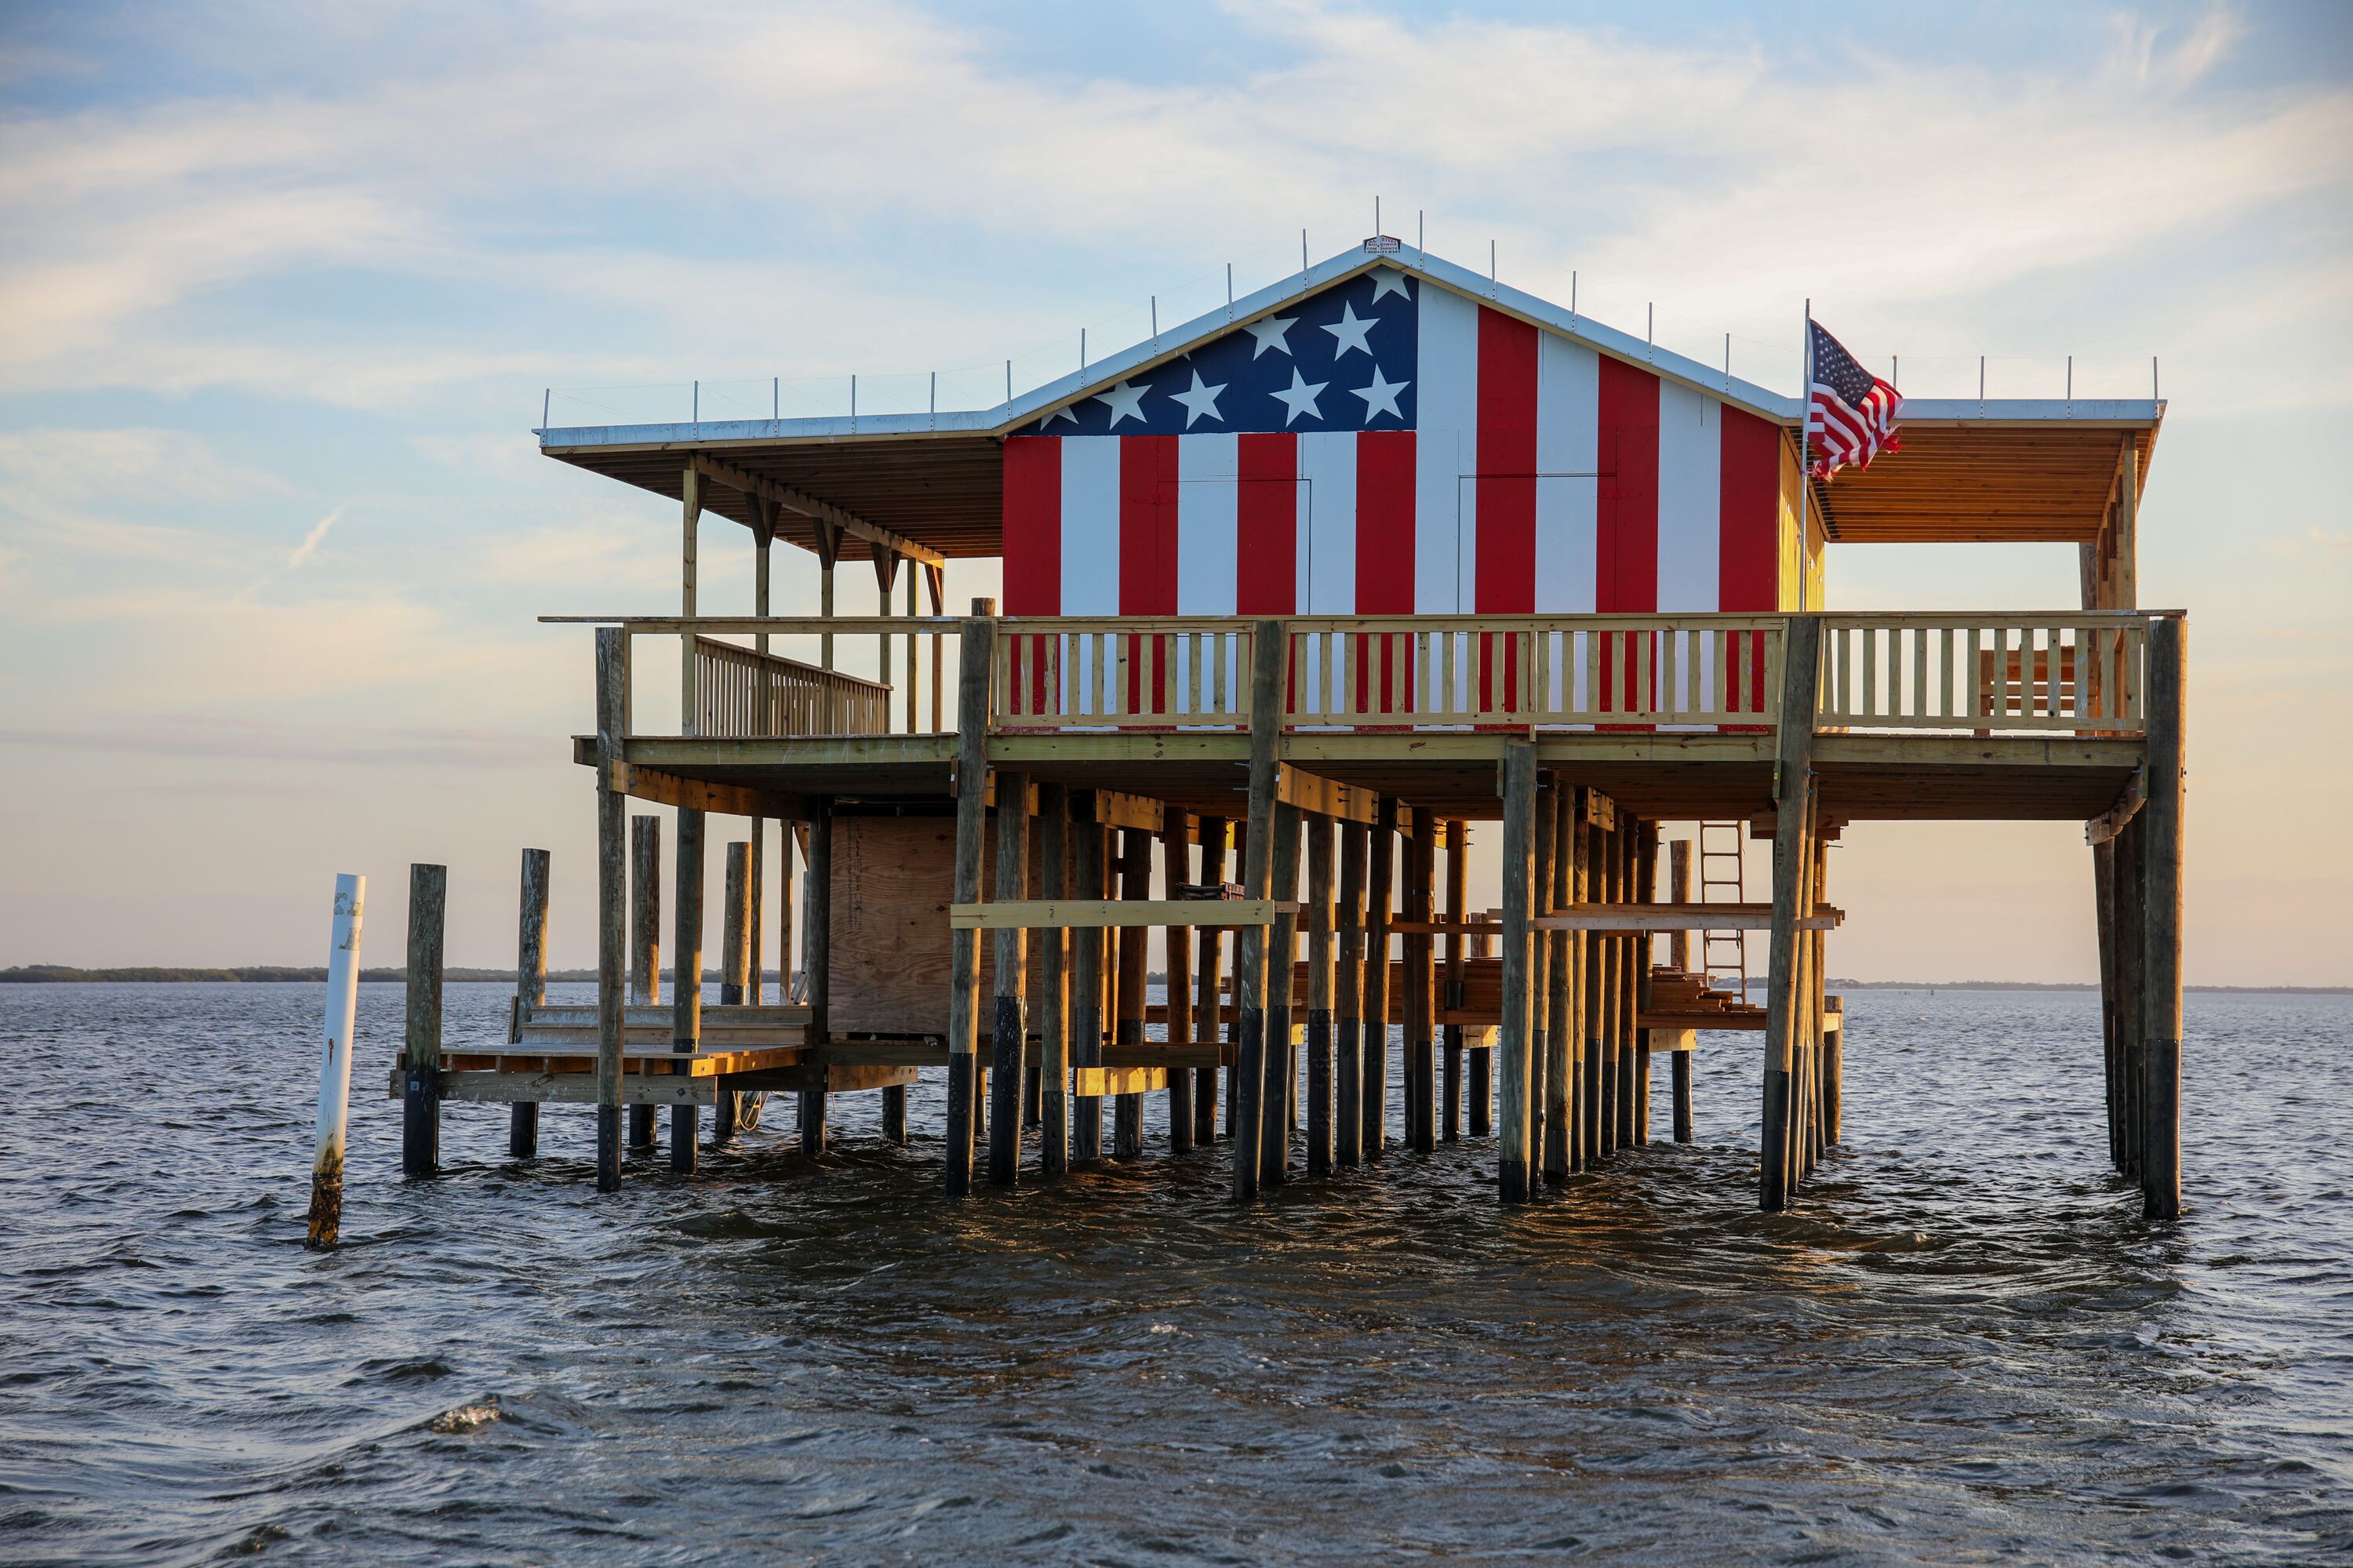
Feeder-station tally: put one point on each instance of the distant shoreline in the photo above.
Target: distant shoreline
(265, 974)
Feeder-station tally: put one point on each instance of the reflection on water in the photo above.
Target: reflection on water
(1963, 1344)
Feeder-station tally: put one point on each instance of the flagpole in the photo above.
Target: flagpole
(1805, 433)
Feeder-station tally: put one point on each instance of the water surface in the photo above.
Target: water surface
(1964, 1345)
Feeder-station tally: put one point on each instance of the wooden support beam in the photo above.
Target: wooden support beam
(1380, 875)
(1347, 1000)
(1514, 1036)
(1072, 912)
(645, 945)
(1012, 967)
(801, 504)
(817, 958)
(612, 897)
(531, 987)
(1679, 889)
(1450, 1085)
(1135, 885)
(1420, 994)
(420, 1118)
(1793, 800)
(1282, 1066)
(1125, 1083)
(1582, 951)
(2168, 708)
(976, 651)
(1320, 939)
(1087, 954)
(1176, 950)
(1646, 874)
(1560, 1015)
(1208, 986)
(1269, 644)
(686, 986)
(734, 963)
(1593, 1010)
(1053, 1007)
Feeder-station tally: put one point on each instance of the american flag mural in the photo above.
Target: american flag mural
(1390, 446)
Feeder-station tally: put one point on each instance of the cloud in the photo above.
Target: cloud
(303, 551)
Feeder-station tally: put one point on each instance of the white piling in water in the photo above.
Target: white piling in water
(335, 1065)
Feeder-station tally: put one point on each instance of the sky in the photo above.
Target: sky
(284, 291)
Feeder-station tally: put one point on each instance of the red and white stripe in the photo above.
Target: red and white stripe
(1542, 477)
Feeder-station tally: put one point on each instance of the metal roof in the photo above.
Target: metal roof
(2006, 469)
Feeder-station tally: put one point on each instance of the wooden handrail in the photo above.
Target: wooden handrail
(744, 693)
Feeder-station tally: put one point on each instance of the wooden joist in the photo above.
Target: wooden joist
(1107, 1081)
(1091, 913)
(1680, 917)
(815, 508)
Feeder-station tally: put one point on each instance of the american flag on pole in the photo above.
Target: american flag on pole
(1850, 416)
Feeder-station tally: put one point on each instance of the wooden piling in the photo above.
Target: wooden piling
(2104, 911)
(1541, 1022)
(530, 989)
(645, 945)
(2166, 711)
(1318, 923)
(2132, 956)
(817, 924)
(612, 895)
(1270, 642)
(1612, 965)
(1560, 1021)
(1135, 882)
(1679, 954)
(1420, 1060)
(1646, 891)
(420, 1118)
(976, 646)
(1593, 976)
(1449, 1085)
(734, 969)
(1210, 1014)
(1282, 949)
(1009, 1038)
(1512, 1037)
(1088, 948)
(1347, 999)
(686, 984)
(1793, 800)
(1820, 1101)
(1053, 983)
(1176, 948)
(1579, 1000)
(1380, 875)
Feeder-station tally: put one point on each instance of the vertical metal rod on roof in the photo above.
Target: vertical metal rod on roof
(1009, 381)
(1156, 321)
(1376, 218)
(698, 402)
(1572, 299)
(547, 395)
(1082, 351)
(1229, 291)
(935, 399)
(1490, 265)
(853, 397)
(1728, 362)
(1650, 331)
(1420, 230)
(2152, 380)
(1302, 250)
(2071, 385)
(1895, 370)
(1980, 385)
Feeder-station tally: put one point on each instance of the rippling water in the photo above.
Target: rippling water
(1964, 1345)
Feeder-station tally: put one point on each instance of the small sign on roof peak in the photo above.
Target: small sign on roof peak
(1383, 244)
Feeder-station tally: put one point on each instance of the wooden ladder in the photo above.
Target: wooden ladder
(1723, 955)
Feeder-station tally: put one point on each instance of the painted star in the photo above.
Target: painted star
(1269, 333)
(1200, 400)
(1380, 397)
(1064, 412)
(1389, 280)
(1348, 332)
(1126, 402)
(1301, 398)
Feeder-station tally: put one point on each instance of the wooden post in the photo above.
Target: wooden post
(976, 652)
(1053, 979)
(1541, 1023)
(1379, 876)
(1209, 1002)
(1421, 989)
(1513, 1035)
(1135, 882)
(530, 989)
(1560, 1026)
(337, 1027)
(612, 895)
(1646, 891)
(1630, 961)
(735, 966)
(1450, 1089)
(2132, 957)
(1578, 1001)
(1793, 799)
(1348, 1005)
(1593, 975)
(645, 945)
(1012, 1034)
(420, 1122)
(816, 922)
(1611, 960)
(2104, 910)
(1270, 644)
(2166, 709)
(1177, 942)
(1282, 1075)
(1318, 922)
(1087, 952)
(686, 984)
(1679, 954)
(1821, 1105)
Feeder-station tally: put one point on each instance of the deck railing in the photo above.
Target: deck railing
(742, 693)
(2075, 672)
